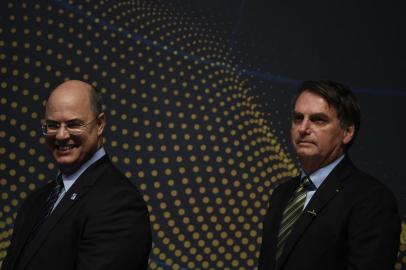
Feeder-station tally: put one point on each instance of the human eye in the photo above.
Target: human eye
(74, 124)
(52, 125)
(319, 119)
(297, 118)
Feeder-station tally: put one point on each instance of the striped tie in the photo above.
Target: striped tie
(48, 207)
(291, 214)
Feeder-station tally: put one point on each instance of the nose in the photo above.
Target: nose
(62, 133)
(304, 126)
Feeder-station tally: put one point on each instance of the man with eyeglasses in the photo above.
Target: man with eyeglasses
(91, 216)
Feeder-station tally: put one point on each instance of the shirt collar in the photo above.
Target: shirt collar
(69, 180)
(321, 174)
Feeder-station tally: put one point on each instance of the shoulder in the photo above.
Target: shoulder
(352, 176)
(365, 180)
(113, 183)
(44, 188)
(34, 199)
(365, 186)
(112, 176)
(106, 175)
(113, 194)
(284, 183)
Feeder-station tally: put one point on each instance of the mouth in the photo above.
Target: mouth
(64, 148)
(304, 143)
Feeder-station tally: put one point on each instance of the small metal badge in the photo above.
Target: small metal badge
(73, 197)
(312, 212)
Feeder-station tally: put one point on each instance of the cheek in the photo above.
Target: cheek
(332, 139)
(50, 142)
(293, 131)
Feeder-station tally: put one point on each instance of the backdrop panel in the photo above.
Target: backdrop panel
(196, 116)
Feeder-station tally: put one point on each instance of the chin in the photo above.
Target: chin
(65, 160)
(305, 153)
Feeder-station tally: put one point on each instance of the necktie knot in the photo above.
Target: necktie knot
(306, 182)
(59, 183)
(54, 195)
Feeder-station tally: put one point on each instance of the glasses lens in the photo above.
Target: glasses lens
(50, 128)
(73, 127)
(44, 129)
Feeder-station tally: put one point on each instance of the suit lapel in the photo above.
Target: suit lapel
(279, 198)
(28, 219)
(331, 186)
(78, 190)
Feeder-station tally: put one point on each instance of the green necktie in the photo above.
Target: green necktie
(291, 214)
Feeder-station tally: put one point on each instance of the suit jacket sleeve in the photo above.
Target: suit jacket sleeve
(117, 234)
(373, 231)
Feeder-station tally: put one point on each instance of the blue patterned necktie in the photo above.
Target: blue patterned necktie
(49, 205)
(53, 196)
(291, 214)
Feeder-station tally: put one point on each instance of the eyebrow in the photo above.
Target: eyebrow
(67, 121)
(314, 115)
(321, 115)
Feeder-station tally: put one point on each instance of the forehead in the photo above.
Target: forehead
(311, 103)
(66, 104)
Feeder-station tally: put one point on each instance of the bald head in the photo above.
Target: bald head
(73, 110)
(79, 90)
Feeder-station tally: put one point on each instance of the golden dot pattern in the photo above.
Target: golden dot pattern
(183, 122)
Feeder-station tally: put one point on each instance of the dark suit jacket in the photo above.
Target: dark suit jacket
(104, 226)
(351, 222)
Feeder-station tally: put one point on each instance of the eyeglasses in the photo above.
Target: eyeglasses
(73, 127)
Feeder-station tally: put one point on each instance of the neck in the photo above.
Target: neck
(67, 170)
(311, 165)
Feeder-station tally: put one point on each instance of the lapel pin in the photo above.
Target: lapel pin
(73, 197)
(312, 212)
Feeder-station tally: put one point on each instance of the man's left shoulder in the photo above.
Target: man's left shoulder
(113, 186)
(366, 184)
(113, 177)
(362, 178)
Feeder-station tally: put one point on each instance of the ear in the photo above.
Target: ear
(348, 134)
(101, 123)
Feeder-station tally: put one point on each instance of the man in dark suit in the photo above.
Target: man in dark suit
(92, 216)
(332, 216)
